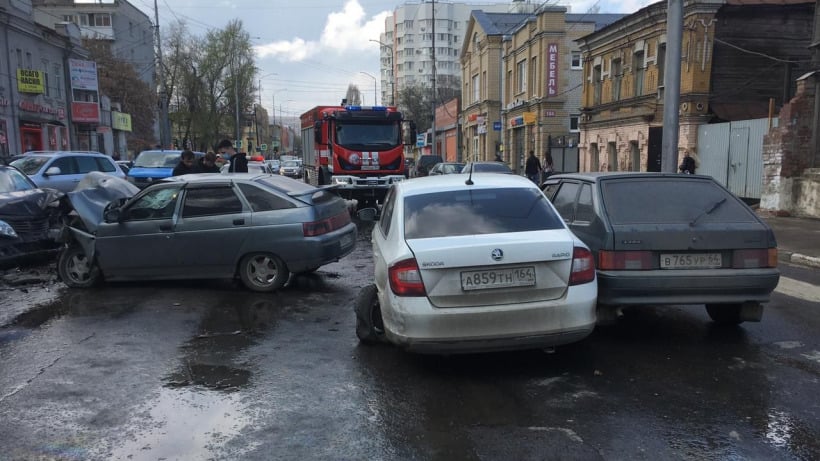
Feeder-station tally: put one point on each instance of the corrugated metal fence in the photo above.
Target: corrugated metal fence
(732, 153)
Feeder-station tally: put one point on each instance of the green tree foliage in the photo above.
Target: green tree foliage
(206, 77)
(415, 101)
(121, 82)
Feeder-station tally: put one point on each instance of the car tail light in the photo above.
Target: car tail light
(754, 258)
(405, 279)
(312, 229)
(583, 266)
(625, 260)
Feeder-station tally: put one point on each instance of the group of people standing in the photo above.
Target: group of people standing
(209, 164)
(533, 169)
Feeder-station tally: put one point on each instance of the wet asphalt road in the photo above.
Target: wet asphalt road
(207, 370)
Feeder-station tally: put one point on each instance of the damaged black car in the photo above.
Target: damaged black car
(28, 217)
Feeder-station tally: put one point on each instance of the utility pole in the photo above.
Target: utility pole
(433, 125)
(671, 84)
(164, 122)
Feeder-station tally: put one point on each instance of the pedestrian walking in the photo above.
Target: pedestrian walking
(533, 167)
(687, 166)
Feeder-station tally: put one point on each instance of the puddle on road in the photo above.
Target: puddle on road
(184, 425)
(210, 376)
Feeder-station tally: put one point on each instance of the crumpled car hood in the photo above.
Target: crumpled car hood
(93, 194)
(30, 203)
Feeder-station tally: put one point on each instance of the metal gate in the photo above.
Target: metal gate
(732, 153)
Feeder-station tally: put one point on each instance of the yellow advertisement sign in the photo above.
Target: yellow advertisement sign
(120, 121)
(30, 81)
(530, 118)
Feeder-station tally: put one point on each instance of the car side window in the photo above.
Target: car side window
(86, 164)
(387, 212)
(262, 200)
(65, 164)
(564, 200)
(155, 204)
(210, 201)
(585, 211)
(104, 165)
(549, 190)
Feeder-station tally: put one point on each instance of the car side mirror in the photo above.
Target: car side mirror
(367, 214)
(112, 215)
(52, 171)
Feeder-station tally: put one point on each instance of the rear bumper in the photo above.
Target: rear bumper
(413, 324)
(324, 249)
(686, 287)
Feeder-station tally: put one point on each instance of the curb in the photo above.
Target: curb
(804, 260)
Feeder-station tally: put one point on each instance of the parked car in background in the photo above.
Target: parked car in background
(125, 165)
(27, 214)
(274, 166)
(151, 165)
(257, 228)
(63, 170)
(423, 165)
(487, 167)
(467, 268)
(446, 168)
(662, 239)
(253, 167)
(291, 169)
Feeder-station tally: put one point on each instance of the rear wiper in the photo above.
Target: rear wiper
(709, 211)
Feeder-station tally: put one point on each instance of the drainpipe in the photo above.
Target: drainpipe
(15, 114)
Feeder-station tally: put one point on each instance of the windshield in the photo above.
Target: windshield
(29, 165)
(13, 180)
(157, 159)
(368, 135)
(291, 163)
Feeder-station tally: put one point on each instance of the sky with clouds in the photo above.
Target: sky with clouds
(309, 51)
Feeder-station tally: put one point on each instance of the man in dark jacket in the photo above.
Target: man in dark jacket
(533, 167)
(207, 164)
(239, 161)
(186, 164)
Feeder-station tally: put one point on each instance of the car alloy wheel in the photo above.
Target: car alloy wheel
(76, 270)
(263, 272)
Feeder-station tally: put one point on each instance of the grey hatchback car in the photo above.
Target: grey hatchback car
(63, 170)
(259, 228)
(662, 239)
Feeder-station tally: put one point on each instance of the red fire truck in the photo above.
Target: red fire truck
(360, 149)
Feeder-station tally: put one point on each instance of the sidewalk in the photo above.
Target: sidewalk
(798, 239)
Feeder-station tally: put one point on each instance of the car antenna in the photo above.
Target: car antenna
(469, 180)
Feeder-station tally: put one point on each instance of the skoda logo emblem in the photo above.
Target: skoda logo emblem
(497, 254)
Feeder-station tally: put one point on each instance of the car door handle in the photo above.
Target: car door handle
(165, 227)
(239, 222)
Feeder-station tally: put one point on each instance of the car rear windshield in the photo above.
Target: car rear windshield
(287, 186)
(666, 200)
(478, 211)
(158, 159)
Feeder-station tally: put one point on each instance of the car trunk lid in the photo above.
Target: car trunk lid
(494, 269)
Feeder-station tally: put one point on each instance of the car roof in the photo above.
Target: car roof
(450, 182)
(38, 153)
(595, 176)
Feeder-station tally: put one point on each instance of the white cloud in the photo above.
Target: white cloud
(348, 30)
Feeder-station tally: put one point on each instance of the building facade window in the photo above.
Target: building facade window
(476, 88)
(617, 75)
(638, 65)
(575, 61)
(635, 154)
(597, 84)
(574, 126)
(661, 62)
(612, 156)
(521, 80)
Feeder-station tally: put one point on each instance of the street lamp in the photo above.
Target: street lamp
(390, 74)
(255, 117)
(375, 97)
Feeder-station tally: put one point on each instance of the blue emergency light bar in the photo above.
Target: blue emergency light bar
(358, 108)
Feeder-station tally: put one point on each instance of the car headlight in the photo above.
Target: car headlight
(7, 231)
